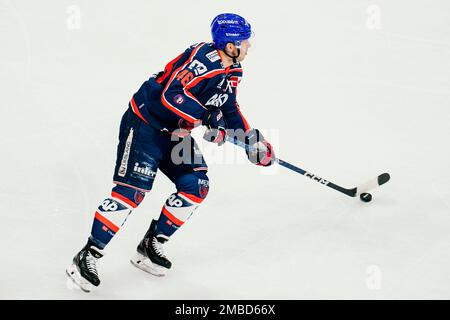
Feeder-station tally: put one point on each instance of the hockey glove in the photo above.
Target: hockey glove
(263, 155)
(216, 125)
(184, 128)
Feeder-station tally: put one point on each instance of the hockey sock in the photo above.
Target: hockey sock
(175, 212)
(112, 214)
(192, 190)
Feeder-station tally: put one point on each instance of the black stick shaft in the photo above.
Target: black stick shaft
(348, 192)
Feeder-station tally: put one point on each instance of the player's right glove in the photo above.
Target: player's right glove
(262, 153)
(216, 124)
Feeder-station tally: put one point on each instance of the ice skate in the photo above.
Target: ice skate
(83, 270)
(150, 255)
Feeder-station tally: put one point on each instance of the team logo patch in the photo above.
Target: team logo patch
(203, 188)
(138, 197)
(178, 99)
(203, 191)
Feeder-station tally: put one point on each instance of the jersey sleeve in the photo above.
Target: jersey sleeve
(176, 95)
(234, 118)
(231, 110)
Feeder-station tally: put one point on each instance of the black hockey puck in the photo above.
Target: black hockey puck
(365, 197)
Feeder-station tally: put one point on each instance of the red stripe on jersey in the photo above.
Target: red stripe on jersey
(207, 75)
(106, 222)
(171, 217)
(235, 70)
(190, 95)
(168, 69)
(122, 198)
(174, 74)
(195, 81)
(179, 112)
(136, 110)
(191, 197)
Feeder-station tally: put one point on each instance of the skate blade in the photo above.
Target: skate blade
(76, 277)
(145, 264)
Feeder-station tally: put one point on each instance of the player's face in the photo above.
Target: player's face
(245, 45)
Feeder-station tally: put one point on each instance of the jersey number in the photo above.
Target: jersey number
(195, 68)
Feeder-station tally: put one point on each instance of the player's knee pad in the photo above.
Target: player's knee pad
(194, 186)
(128, 195)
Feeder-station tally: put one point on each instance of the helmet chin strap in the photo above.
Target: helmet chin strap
(233, 57)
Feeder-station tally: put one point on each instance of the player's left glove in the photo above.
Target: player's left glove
(216, 124)
(263, 154)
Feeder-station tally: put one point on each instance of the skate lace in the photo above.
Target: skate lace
(91, 263)
(157, 246)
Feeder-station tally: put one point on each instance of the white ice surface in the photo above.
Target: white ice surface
(339, 99)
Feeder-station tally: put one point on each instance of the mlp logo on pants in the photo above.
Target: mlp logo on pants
(143, 170)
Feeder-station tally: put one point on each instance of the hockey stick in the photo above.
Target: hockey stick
(356, 191)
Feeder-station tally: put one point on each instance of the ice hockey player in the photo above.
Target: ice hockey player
(196, 88)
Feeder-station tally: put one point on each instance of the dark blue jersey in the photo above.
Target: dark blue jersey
(191, 84)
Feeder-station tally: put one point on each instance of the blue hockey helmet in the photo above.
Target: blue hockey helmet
(229, 27)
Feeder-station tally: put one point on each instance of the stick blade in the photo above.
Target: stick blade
(372, 184)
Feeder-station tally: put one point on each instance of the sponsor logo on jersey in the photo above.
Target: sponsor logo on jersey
(217, 100)
(143, 169)
(213, 56)
(178, 99)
